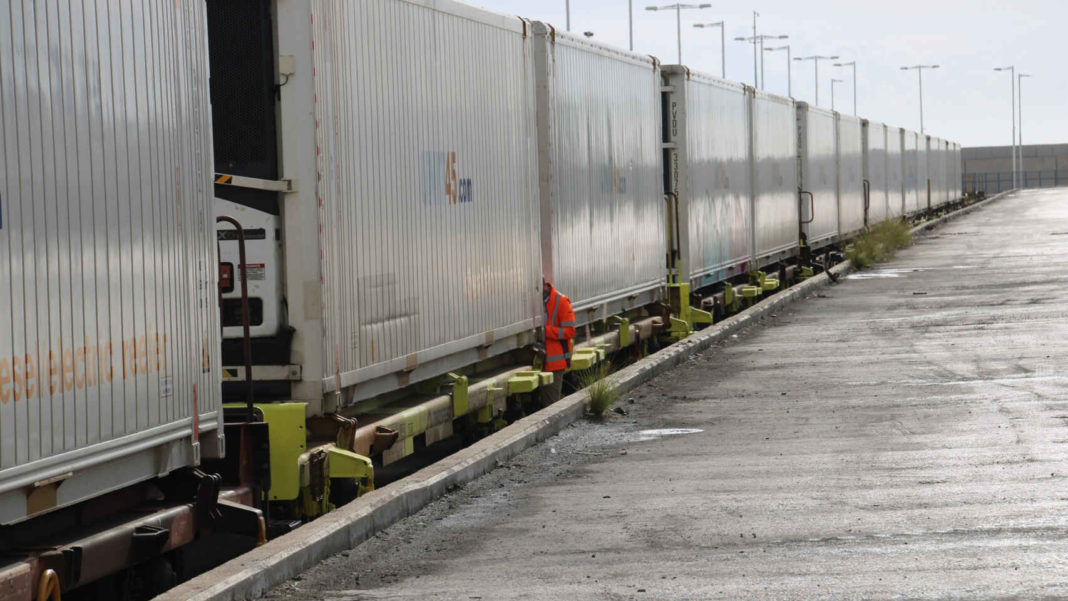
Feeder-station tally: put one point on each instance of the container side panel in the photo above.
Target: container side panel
(933, 170)
(775, 203)
(878, 202)
(427, 179)
(850, 175)
(605, 192)
(939, 166)
(895, 174)
(947, 153)
(110, 347)
(718, 180)
(818, 174)
(960, 169)
(912, 175)
(923, 174)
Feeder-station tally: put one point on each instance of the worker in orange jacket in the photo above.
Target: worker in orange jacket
(559, 330)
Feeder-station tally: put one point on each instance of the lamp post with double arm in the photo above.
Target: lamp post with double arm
(678, 8)
(816, 62)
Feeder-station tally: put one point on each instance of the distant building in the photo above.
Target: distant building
(989, 168)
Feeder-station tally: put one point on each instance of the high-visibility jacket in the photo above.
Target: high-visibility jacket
(559, 330)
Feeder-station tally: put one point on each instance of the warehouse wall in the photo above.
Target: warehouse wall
(989, 168)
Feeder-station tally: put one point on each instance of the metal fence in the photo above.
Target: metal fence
(1000, 181)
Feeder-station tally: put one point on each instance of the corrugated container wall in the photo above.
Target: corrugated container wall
(895, 173)
(954, 172)
(775, 204)
(959, 165)
(603, 233)
(912, 189)
(923, 174)
(818, 174)
(850, 175)
(875, 164)
(110, 336)
(941, 162)
(947, 172)
(428, 189)
(934, 171)
(708, 120)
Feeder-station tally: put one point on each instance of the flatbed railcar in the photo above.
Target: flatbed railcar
(401, 175)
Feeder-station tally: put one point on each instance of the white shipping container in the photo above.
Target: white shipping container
(895, 173)
(935, 167)
(850, 175)
(912, 186)
(603, 233)
(427, 185)
(923, 173)
(954, 173)
(775, 203)
(951, 172)
(947, 174)
(958, 168)
(875, 171)
(818, 174)
(708, 170)
(952, 176)
(109, 340)
(941, 174)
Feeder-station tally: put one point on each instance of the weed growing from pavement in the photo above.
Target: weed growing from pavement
(602, 393)
(878, 243)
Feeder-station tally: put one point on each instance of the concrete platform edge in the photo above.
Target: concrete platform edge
(253, 573)
(927, 225)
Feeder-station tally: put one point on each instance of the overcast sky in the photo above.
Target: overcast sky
(964, 100)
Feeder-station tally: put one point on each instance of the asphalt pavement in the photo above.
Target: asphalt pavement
(899, 435)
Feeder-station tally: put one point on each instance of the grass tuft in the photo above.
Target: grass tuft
(602, 394)
(878, 243)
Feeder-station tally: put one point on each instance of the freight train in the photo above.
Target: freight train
(253, 248)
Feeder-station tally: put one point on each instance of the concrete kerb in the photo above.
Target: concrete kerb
(958, 213)
(253, 573)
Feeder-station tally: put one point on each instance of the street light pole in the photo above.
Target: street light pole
(678, 23)
(854, 65)
(567, 7)
(755, 15)
(789, 69)
(1019, 97)
(816, 61)
(761, 62)
(630, 21)
(1012, 71)
(834, 81)
(722, 44)
(678, 18)
(919, 70)
(759, 39)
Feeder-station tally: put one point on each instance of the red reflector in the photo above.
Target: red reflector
(226, 277)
